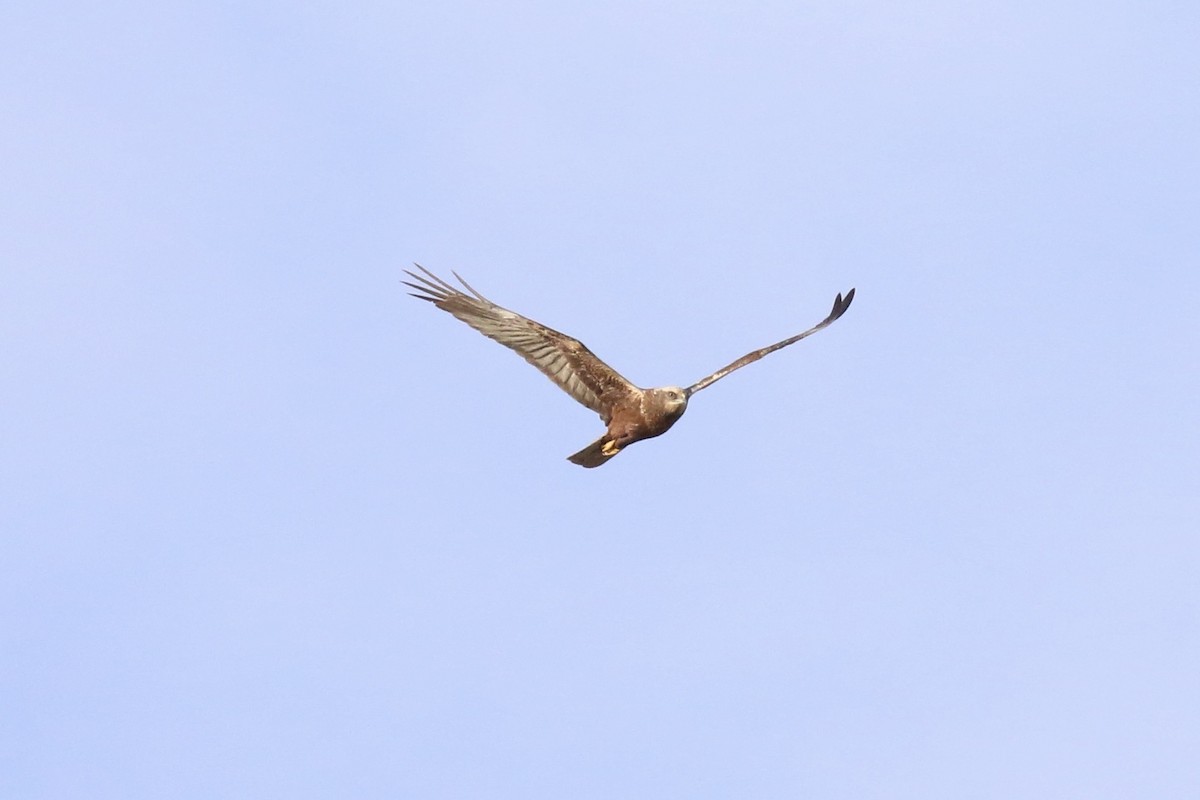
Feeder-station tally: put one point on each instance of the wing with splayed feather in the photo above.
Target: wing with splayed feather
(560, 358)
(839, 307)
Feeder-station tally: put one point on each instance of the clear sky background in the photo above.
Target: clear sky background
(272, 528)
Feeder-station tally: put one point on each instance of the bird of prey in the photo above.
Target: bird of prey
(631, 414)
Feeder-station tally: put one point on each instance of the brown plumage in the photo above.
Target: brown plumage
(631, 414)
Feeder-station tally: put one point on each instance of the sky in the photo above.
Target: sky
(272, 528)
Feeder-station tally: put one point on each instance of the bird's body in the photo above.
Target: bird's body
(649, 413)
(630, 413)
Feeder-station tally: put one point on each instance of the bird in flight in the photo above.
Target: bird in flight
(631, 414)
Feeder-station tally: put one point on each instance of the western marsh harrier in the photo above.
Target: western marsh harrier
(631, 414)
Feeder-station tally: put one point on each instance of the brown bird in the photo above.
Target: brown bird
(631, 414)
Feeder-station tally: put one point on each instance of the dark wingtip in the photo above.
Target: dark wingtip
(840, 304)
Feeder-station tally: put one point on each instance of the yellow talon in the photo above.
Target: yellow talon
(610, 448)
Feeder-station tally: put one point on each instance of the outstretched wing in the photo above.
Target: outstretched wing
(839, 307)
(560, 358)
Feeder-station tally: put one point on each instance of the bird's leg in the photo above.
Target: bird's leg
(610, 448)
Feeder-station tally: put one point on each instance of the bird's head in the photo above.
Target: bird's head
(673, 398)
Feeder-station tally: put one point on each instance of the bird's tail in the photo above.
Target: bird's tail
(596, 453)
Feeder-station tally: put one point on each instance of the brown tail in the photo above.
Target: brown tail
(591, 456)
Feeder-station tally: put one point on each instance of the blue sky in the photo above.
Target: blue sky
(271, 528)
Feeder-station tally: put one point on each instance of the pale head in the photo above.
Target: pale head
(672, 399)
